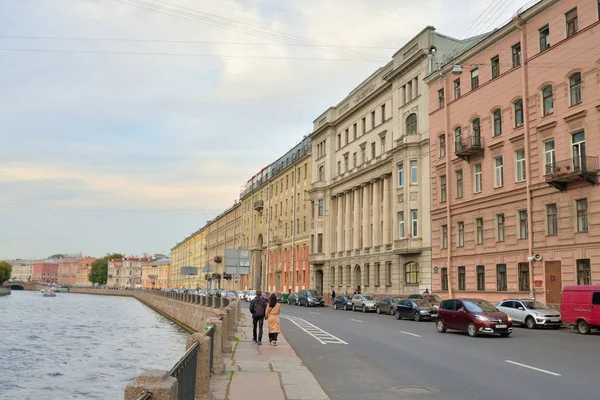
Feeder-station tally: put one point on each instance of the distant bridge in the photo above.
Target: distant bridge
(20, 285)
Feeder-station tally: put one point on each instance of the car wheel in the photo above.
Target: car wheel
(417, 316)
(441, 328)
(583, 327)
(530, 323)
(472, 330)
(392, 311)
(364, 309)
(378, 310)
(398, 317)
(353, 307)
(335, 307)
(505, 334)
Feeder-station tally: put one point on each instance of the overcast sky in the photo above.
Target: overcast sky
(129, 143)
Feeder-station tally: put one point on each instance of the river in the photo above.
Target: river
(78, 346)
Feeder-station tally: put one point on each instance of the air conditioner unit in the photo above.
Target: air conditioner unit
(457, 70)
(537, 257)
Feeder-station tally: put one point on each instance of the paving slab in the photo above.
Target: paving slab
(256, 385)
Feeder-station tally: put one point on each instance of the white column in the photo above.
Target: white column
(348, 223)
(340, 226)
(366, 216)
(356, 193)
(376, 213)
(387, 212)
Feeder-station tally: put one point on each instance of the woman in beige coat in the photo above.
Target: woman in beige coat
(272, 316)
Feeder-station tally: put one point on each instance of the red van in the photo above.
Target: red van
(580, 306)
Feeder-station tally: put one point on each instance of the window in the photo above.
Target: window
(346, 163)
(552, 218)
(500, 222)
(501, 277)
(575, 88)
(497, 114)
(544, 38)
(363, 154)
(411, 124)
(584, 274)
(459, 183)
(320, 244)
(443, 189)
(518, 113)
(321, 174)
(368, 273)
(441, 98)
(476, 132)
(411, 273)
(474, 78)
(480, 233)
(339, 167)
(388, 273)
(364, 125)
(442, 145)
(339, 141)
(444, 278)
(549, 156)
(456, 88)
(372, 119)
(495, 66)
(377, 274)
(414, 215)
(354, 160)
(382, 113)
(461, 234)
(457, 139)
(320, 207)
(347, 135)
(444, 236)
(524, 277)
(414, 176)
(480, 277)
(596, 295)
(578, 148)
(571, 18)
(477, 183)
(498, 172)
(382, 144)
(401, 175)
(520, 159)
(462, 278)
(582, 215)
(523, 225)
(354, 131)
(304, 224)
(547, 100)
(516, 55)
(401, 233)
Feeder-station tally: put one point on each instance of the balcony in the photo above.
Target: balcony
(277, 240)
(318, 185)
(560, 173)
(316, 259)
(466, 147)
(259, 205)
(408, 246)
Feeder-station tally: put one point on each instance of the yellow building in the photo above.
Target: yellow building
(191, 252)
(83, 277)
(155, 274)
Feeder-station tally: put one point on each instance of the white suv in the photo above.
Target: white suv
(530, 313)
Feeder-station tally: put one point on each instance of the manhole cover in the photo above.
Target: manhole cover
(413, 390)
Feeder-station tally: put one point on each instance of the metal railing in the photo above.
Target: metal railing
(185, 371)
(211, 334)
(146, 396)
(462, 143)
(584, 164)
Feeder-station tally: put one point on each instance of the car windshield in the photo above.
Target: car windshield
(313, 292)
(370, 297)
(434, 297)
(535, 305)
(479, 306)
(421, 303)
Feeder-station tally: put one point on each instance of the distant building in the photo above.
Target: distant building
(126, 272)
(84, 267)
(45, 271)
(22, 270)
(155, 274)
(190, 252)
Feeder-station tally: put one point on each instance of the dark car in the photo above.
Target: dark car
(310, 298)
(387, 305)
(432, 299)
(342, 303)
(293, 299)
(416, 309)
(474, 316)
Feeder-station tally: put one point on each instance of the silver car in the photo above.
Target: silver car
(364, 302)
(530, 313)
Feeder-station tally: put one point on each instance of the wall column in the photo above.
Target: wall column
(340, 226)
(348, 222)
(356, 193)
(366, 216)
(376, 213)
(387, 212)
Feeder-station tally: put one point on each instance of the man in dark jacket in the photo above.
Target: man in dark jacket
(258, 307)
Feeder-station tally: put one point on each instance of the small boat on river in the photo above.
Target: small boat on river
(48, 293)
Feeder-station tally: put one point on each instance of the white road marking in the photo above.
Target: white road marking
(314, 331)
(411, 334)
(312, 312)
(355, 320)
(533, 368)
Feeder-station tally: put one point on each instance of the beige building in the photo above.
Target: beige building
(83, 276)
(126, 272)
(371, 189)
(22, 270)
(191, 252)
(224, 232)
(155, 274)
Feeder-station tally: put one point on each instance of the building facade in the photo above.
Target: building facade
(370, 185)
(22, 270)
(514, 123)
(224, 232)
(45, 271)
(84, 266)
(191, 252)
(155, 274)
(126, 272)
(67, 271)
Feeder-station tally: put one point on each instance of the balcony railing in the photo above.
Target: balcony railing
(560, 173)
(465, 147)
(259, 205)
(318, 185)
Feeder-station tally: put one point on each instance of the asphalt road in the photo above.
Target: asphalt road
(389, 359)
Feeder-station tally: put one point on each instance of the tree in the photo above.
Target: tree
(99, 271)
(57, 256)
(5, 270)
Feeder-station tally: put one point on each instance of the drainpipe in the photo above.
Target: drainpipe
(294, 227)
(525, 94)
(268, 230)
(448, 185)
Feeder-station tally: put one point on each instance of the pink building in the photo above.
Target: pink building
(67, 271)
(45, 271)
(515, 140)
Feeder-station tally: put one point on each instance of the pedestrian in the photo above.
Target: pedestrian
(426, 291)
(258, 306)
(272, 316)
(332, 295)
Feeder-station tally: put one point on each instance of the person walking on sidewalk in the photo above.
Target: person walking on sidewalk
(273, 311)
(258, 305)
(332, 295)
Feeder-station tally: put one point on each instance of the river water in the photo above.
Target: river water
(78, 346)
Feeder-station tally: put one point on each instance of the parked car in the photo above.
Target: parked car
(310, 298)
(530, 313)
(231, 295)
(416, 309)
(580, 306)
(364, 302)
(474, 316)
(212, 292)
(432, 299)
(293, 299)
(278, 296)
(387, 305)
(342, 303)
(242, 295)
(250, 294)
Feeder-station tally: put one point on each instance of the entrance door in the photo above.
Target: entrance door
(553, 282)
(319, 280)
(357, 276)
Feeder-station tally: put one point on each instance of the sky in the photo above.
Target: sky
(126, 124)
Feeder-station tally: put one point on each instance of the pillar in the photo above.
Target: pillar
(356, 193)
(203, 364)
(387, 211)
(366, 220)
(348, 223)
(159, 383)
(376, 213)
(218, 364)
(340, 221)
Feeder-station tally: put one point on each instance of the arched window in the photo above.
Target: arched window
(518, 104)
(411, 124)
(497, 114)
(457, 139)
(476, 140)
(322, 173)
(411, 273)
(575, 88)
(547, 100)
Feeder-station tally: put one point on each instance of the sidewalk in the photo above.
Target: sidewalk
(263, 372)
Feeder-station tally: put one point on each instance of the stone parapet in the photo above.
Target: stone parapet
(159, 383)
